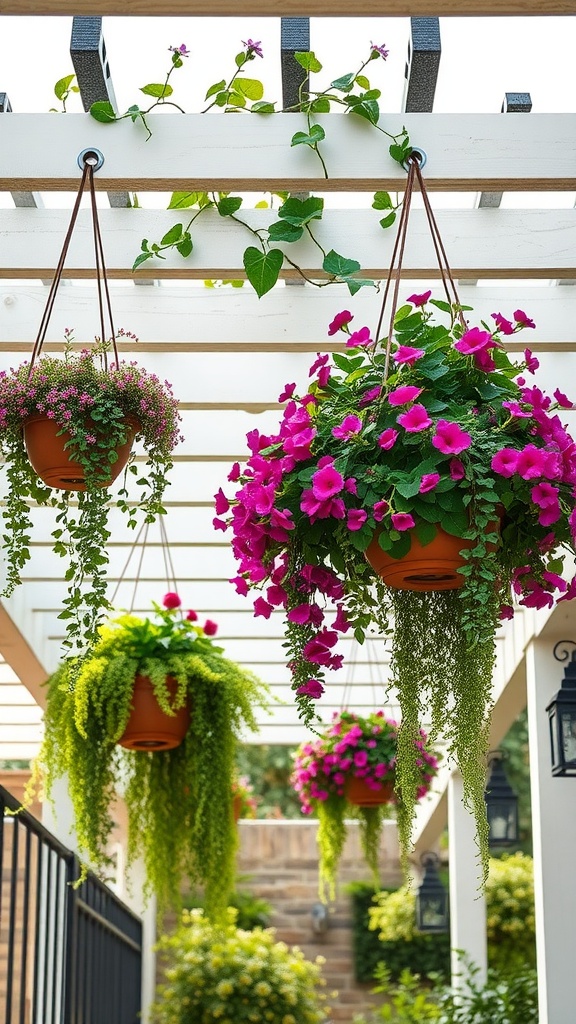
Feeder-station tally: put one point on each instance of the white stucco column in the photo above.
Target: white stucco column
(467, 903)
(554, 837)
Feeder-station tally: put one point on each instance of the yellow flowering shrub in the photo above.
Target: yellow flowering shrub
(509, 912)
(222, 973)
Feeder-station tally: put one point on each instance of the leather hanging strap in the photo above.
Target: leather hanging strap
(395, 269)
(101, 279)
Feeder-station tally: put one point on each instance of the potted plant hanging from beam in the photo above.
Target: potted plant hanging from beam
(67, 426)
(430, 432)
(179, 796)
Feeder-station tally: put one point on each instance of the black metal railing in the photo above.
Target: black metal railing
(68, 954)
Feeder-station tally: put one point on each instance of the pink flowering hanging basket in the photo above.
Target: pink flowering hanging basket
(45, 446)
(359, 793)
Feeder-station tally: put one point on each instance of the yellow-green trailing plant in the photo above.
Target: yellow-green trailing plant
(179, 801)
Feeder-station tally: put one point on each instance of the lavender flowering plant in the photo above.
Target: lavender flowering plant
(436, 432)
(96, 409)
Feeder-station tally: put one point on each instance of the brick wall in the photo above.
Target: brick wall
(281, 860)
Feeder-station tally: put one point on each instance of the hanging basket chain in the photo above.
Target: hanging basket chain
(395, 269)
(141, 541)
(101, 278)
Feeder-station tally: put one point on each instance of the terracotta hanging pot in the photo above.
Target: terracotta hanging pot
(148, 727)
(433, 566)
(52, 462)
(359, 793)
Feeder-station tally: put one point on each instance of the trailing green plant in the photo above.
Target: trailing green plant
(509, 911)
(432, 431)
(427, 954)
(179, 801)
(226, 974)
(94, 406)
(356, 748)
(263, 260)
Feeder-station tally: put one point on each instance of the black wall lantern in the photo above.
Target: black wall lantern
(432, 905)
(501, 804)
(562, 714)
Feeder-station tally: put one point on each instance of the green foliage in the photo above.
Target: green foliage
(510, 919)
(226, 974)
(513, 1000)
(179, 801)
(269, 767)
(96, 408)
(242, 94)
(429, 954)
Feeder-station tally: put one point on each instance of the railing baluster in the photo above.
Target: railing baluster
(25, 916)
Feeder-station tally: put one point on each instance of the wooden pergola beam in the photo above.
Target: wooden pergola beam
(293, 8)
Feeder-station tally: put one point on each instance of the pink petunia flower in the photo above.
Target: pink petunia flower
(407, 355)
(562, 400)
(403, 395)
(340, 321)
(456, 469)
(221, 502)
(428, 482)
(450, 439)
(531, 462)
(262, 608)
(522, 320)
(532, 363)
(350, 425)
(192, 616)
(502, 325)
(313, 688)
(327, 482)
(415, 419)
(419, 300)
(285, 395)
(387, 438)
(505, 461)
(379, 510)
(171, 600)
(356, 518)
(210, 627)
(402, 521)
(474, 340)
(359, 339)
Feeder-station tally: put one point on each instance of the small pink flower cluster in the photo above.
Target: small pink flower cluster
(354, 747)
(172, 601)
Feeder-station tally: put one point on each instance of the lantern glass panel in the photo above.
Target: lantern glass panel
(568, 734)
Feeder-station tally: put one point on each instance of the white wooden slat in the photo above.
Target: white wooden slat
(14, 695)
(479, 152)
(20, 716)
(507, 243)
(203, 319)
(19, 751)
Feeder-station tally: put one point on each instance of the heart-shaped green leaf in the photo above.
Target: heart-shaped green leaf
(262, 269)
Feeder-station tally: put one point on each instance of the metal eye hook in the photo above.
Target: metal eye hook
(90, 156)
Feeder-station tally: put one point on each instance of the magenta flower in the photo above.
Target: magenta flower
(564, 402)
(428, 482)
(402, 521)
(506, 612)
(359, 339)
(516, 410)
(313, 688)
(356, 518)
(304, 613)
(221, 503)
(502, 325)
(289, 390)
(181, 50)
(318, 364)
(505, 462)
(234, 473)
(473, 341)
(171, 600)
(350, 425)
(415, 419)
(450, 439)
(544, 495)
(192, 616)
(403, 395)
(370, 395)
(380, 509)
(276, 595)
(456, 468)
(241, 585)
(261, 607)
(531, 462)
(210, 627)
(340, 321)
(419, 300)
(522, 320)
(406, 354)
(327, 482)
(387, 438)
(532, 363)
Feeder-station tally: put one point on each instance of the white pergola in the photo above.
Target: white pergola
(230, 354)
